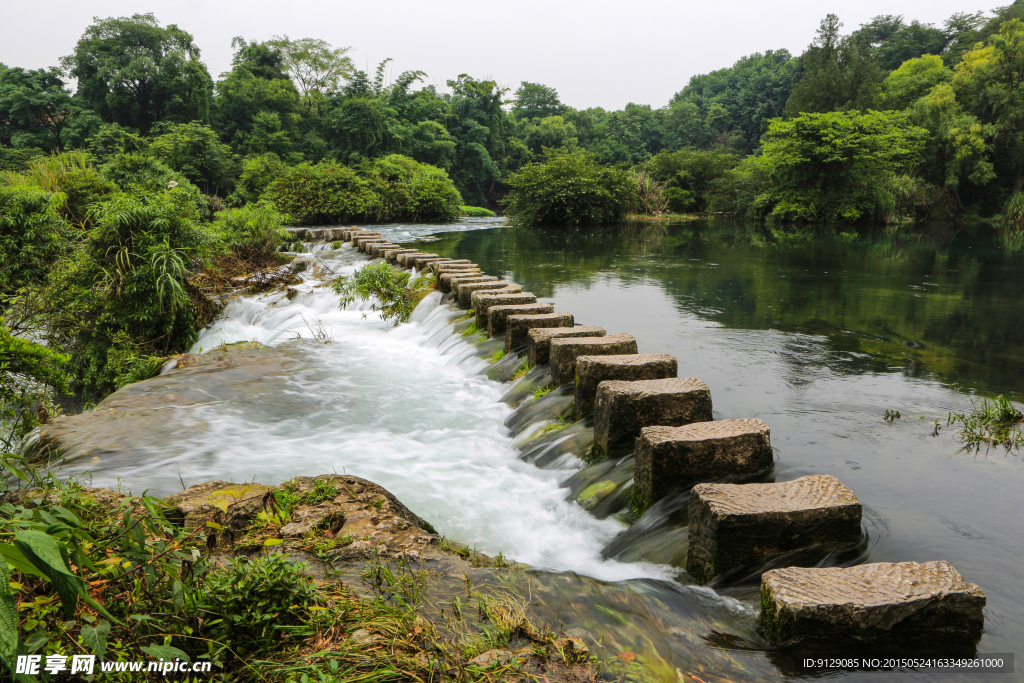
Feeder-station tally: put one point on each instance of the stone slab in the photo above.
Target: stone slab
(359, 240)
(364, 245)
(497, 316)
(538, 340)
(464, 290)
(732, 525)
(565, 351)
(449, 282)
(423, 261)
(878, 600)
(453, 264)
(623, 408)
(518, 326)
(482, 301)
(375, 249)
(404, 258)
(391, 255)
(592, 370)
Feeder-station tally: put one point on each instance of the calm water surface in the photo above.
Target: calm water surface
(818, 337)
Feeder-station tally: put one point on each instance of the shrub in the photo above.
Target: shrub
(388, 286)
(73, 176)
(690, 176)
(323, 194)
(33, 234)
(258, 171)
(476, 212)
(569, 188)
(415, 192)
(137, 172)
(124, 292)
(252, 232)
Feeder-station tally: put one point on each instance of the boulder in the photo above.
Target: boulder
(565, 351)
(518, 325)
(482, 301)
(870, 601)
(538, 340)
(622, 409)
(592, 370)
(732, 525)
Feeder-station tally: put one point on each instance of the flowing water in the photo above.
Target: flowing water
(815, 336)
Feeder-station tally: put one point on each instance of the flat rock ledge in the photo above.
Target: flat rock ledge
(565, 351)
(592, 370)
(867, 602)
(732, 525)
(623, 408)
(482, 302)
(538, 341)
(518, 326)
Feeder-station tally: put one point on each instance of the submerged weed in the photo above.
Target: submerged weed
(993, 422)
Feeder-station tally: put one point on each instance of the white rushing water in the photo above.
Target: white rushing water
(397, 406)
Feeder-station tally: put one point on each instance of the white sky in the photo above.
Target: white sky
(594, 52)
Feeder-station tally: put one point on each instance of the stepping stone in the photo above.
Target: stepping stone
(358, 240)
(364, 245)
(518, 326)
(391, 255)
(482, 302)
(404, 258)
(445, 281)
(465, 290)
(376, 248)
(732, 525)
(565, 351)
(423, 262)
(497, 316)
(461, 264)
(592, 370)
(622, 409)
(879, 600)
(538, 341)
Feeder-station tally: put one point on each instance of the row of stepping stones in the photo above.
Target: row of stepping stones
(641, 405)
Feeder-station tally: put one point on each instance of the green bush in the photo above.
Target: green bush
(690, 176)
(392, 188)
(137, 172)
(27, 371)
(124, 292)
(476, 212)
(70, 174)
(252, 232)
(258, 171)
(388, 287)
(569, 188)
(33, 235)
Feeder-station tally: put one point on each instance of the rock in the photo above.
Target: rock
(565, 351)
(493, 658)
(403, 259)
(359, 241)
(518, 326)
(391, 255)
(880, 600)
(481, 302)
(375, 249)
(538, 340)
(237, 504)
(364, 637)
(732, 525)
(449, 282)
(451, 264)
(423, 261)
(592, 370)
(301, 264)
(465, 290)
(497, 316)
(670, 457)
(622, 409)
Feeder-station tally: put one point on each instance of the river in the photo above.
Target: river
(816, 335)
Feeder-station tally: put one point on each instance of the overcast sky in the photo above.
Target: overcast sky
(595, 53)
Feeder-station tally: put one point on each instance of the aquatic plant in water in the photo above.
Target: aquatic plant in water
(993, 422)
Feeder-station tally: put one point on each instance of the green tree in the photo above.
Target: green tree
(197, 152)
(33, 235)
(258, 171)
(912, 80)
(837, 73)
(569, 188)
(834, 166)
(134, 72)
(316, 68)
(478, 124)
(35, 109)
(690, 176)
(533, 100)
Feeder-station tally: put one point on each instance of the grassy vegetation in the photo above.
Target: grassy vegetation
(476, 212)
(993, 422)
(388, 288)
